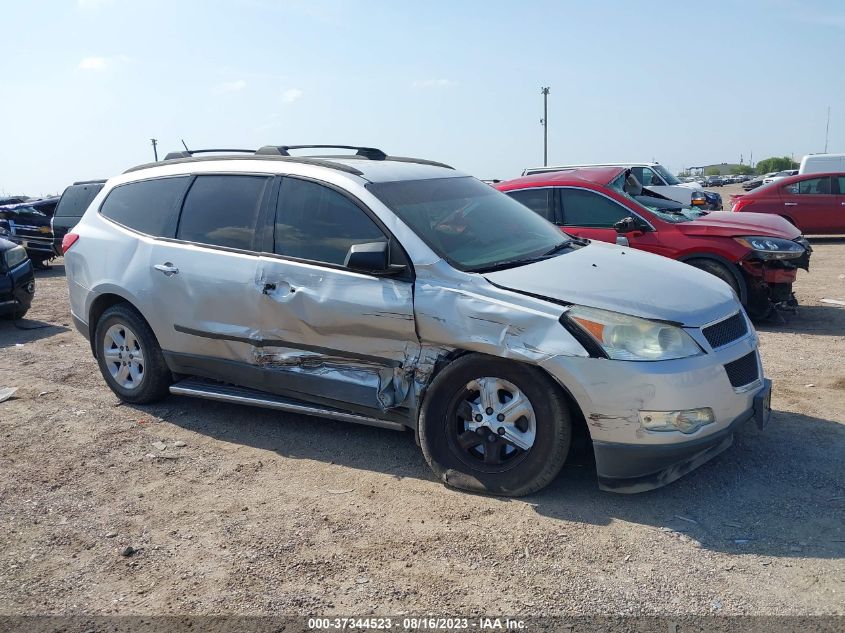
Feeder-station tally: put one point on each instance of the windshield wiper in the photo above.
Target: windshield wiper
(512, 263)
(557, 248)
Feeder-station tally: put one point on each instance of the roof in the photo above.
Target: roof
(370, 164)
(595, 175)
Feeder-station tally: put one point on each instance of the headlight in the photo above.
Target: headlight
(698, 199)
(771, 247)
(14, 256)
(625, 337)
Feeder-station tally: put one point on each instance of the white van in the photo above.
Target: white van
(822, 164)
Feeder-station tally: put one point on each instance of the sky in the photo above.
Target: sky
(88, 83)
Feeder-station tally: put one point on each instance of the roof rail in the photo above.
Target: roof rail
(188, 153)
(90, 182)
(319, 162)
(370, 153)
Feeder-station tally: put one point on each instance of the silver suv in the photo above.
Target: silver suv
(404, 294)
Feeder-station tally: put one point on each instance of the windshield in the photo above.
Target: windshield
(667, 210)
(471, 225)
(666, 174)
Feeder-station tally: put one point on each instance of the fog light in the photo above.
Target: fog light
(30, 287)
(687, 421)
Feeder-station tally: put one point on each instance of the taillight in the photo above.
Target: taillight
(68, 240)
(741, 203)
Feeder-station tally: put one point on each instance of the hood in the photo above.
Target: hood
(728, 224)
(625, 280)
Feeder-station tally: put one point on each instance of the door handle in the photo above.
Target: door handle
(167, 268)
(790, 204)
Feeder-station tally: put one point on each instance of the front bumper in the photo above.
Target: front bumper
(17, 288)
(631, 468)
(611, 394)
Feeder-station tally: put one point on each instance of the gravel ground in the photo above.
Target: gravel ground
(234, 510)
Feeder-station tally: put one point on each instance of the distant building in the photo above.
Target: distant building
(724, 169)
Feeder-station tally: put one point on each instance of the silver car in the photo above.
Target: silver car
(404, 294)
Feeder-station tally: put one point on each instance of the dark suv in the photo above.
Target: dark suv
(72, 205)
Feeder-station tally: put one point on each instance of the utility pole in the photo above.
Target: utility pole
(545, 123)
(155, 148)
(827, 129)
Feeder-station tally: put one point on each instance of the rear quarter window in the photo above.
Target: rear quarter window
(147, 206)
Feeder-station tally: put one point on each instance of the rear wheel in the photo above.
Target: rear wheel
(129, 356)
(493, 426)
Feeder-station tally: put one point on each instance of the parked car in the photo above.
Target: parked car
(815, 203)
(405, 294)
(12, 200)
(28, 224)
(655, 177)
(72, 205)
(757, 181)
(713, 181)
(780, 176)
(758, 258)
(822, 163)
(17, 280)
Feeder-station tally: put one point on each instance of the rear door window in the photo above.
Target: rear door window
(811, 186)
(222, 210)
(147, 206)
(538, 200)
(317, 223)
(589, 209)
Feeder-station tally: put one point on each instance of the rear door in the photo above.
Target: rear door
(330, 332)
(203, 279)
(811, 204)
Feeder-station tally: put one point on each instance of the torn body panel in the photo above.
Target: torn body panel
(334, 331)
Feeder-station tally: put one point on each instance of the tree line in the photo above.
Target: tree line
(775, 163)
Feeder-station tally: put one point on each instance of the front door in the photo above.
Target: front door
(338, 335)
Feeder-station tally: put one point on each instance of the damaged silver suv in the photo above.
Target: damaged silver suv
(404, 294)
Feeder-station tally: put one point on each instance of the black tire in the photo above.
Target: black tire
(155, 380)
(759, 305)
(716, 269)
(524, 471)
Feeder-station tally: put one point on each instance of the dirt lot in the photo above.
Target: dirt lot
(252, 512)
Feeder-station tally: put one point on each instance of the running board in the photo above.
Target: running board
(210, 390)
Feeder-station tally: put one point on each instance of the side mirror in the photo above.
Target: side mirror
(629, 225)
(372, 257)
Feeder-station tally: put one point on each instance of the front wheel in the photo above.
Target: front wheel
(493, 426)
(129, 356)
(717, 269)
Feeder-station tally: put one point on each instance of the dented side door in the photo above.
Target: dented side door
(328, 331)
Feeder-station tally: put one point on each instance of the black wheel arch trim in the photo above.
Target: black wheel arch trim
(731, 266)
